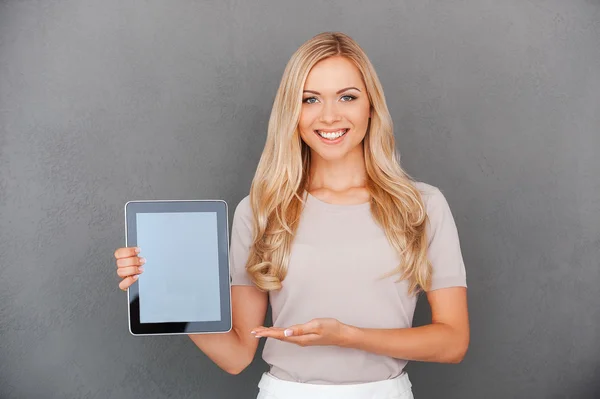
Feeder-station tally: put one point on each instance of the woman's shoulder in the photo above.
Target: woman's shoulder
(243, 208)
(432, 196)
(426, 189)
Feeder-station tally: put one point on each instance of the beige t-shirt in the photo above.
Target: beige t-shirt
(337, 259)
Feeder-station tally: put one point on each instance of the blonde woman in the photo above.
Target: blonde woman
(340, 240)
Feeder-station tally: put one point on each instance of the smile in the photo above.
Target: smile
(332, 135)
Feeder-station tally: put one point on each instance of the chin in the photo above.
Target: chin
(335, 154)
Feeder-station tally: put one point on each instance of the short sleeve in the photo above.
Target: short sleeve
(241, 239)
(448, 268)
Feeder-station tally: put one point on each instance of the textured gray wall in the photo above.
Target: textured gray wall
(101, 102)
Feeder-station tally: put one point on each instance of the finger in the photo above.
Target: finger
(127, 281)
(280, 333)
(302, 340)
(133, 261)
(263, 328)
(127, 252)
(272, 332)
(312, 327)
(129, 271)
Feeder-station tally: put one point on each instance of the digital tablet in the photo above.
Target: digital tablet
(185, 287)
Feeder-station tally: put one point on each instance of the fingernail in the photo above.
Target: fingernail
(142, 260)
(137, 250)
(135, 276)
(288, 333)
(258, 336)
(252, 332)
(141, 269)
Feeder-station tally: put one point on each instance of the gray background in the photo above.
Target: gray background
(102, 102)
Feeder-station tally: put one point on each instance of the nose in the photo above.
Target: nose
(329, 113)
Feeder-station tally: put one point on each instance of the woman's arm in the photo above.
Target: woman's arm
(234, 351)
(445, 340)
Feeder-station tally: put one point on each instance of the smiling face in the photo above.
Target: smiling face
(335, 109)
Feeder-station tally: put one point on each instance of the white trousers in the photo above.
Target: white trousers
(274, 388)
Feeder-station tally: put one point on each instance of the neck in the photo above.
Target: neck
(338, 175)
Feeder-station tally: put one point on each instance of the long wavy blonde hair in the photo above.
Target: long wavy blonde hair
(276, 193)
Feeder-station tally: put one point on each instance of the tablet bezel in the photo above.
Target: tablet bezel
(132, 208)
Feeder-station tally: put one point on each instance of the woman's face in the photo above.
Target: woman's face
(335, 109)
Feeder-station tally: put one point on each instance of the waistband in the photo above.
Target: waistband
(384, 389)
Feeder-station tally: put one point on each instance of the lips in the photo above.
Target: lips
(331, 134)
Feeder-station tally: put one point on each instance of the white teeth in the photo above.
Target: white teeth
(332, 135)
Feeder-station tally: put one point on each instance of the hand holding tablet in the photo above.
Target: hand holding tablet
(184, 285)
(129, 265)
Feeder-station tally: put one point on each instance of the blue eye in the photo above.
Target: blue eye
(307, 100)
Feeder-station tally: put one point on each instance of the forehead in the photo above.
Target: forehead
(332, 74)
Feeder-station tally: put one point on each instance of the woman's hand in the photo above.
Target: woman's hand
(129, 266)
(317, 332)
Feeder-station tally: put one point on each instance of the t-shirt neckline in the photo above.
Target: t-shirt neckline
(311, 200)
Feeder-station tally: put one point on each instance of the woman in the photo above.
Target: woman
(340, 240)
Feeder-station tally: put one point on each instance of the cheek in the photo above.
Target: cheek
(307, 118)
(305, 124)
(361, 113)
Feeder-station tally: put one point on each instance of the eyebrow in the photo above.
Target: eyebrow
(338, 92)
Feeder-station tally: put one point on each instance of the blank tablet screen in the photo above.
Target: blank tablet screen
(180, 282)
(185, 286)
